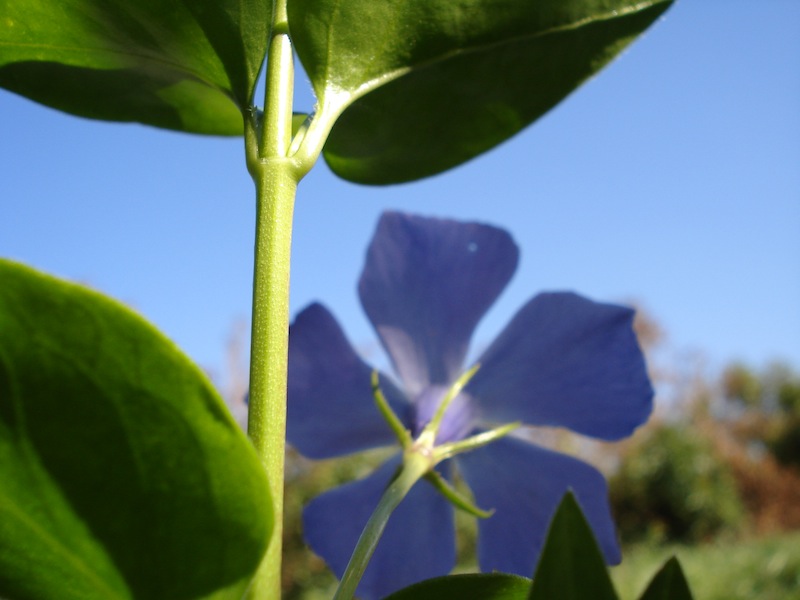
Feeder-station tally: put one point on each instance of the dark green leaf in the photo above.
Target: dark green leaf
(428, 84)
(123, 475)
(494, 586)
(189, 65)
(571, 566)
(668, 584)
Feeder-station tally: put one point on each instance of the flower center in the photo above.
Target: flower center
(459, 418)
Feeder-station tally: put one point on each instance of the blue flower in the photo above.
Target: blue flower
(562, 361)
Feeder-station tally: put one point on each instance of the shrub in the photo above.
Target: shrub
(674, 486)
(769, 491)
(785, 444)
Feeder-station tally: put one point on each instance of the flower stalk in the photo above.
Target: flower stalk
(415, 466)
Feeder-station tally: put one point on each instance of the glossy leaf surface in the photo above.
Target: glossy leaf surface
(123, 475)
(428, 84)
(668, 584)
(571, 566)
(189, 65)
(494, 586)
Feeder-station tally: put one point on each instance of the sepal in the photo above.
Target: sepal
(456, 498)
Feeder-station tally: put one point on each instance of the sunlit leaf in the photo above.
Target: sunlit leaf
(123, 475)
(189, 65)
(571, 566)
(428, 84)
(668, 584)
(494, 586)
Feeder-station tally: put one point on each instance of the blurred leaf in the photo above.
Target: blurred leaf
(429, 84)
(189, 65)
(668, 584)
(494, 586)
(123, 475)
(571, 566)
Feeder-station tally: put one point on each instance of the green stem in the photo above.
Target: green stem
(269, 351)
(279, 93)
(414, 467)
(276, 177)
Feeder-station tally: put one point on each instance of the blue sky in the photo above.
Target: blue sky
(671, 179)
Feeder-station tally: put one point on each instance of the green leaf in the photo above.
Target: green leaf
(428, 84)
(189, 65)
(668, 584)
(494, 586)
(571, 566)
(123, 475)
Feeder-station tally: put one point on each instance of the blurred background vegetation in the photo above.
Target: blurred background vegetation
(713, 478)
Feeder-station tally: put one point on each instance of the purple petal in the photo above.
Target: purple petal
(418, 542)
(331, 410)
(524, 484)
(425, 286)
(566, 361)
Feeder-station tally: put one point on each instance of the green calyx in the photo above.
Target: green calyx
(424, 449)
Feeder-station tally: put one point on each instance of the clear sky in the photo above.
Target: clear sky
(671, 179)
